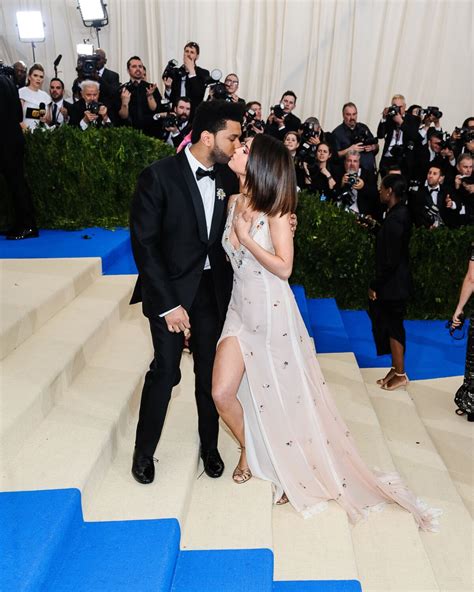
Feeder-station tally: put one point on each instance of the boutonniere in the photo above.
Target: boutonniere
(220, 194)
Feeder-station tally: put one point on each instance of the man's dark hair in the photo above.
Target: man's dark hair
(434, 133)
(466, 121)
(250, 103)
(396, 183)
(57, 80)
(194, 45)
(211, 116)
(184, 99)
(349, 104)
(288, 92)
(436, 166)
(132, 58)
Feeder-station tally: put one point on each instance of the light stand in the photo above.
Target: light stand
(94, 14)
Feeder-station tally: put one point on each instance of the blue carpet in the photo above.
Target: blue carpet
(113, 246)
(328, 330)
(430, 351)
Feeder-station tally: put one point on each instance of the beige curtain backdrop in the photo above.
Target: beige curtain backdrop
(327, 51)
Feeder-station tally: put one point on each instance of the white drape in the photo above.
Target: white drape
(327, 51)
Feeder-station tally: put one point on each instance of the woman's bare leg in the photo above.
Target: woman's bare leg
(398, 362)
(226, 377)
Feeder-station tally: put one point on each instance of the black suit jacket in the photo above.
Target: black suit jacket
(195, 88)
(292, 124)
(76, 113)
(169, 236)
(419, 201)
(411, 140)
(109, 85)
(392, 275)
(423, 162)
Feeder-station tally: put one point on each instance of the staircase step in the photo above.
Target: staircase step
(329, 332)
(233, 570)
(36, 374)
(421, 466)
(451, 434)
(319, 586)
(75, 443)
(34, 290)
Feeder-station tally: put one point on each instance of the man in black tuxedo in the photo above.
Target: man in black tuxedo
(400, 130)
(428, 155)
(175, 134)
(279, 124)
(192, 83)
(428, 203)
(58, 109)
(176, 224)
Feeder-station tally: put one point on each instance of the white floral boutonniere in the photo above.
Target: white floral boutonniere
(220, 194)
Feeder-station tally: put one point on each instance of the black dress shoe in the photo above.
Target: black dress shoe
(23, 233)
(213, 463)
(143, 469)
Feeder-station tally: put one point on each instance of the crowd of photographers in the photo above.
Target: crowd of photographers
(340, 166)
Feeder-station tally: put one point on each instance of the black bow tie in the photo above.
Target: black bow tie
(200, 173)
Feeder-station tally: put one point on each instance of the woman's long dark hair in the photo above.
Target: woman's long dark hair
(396, 183)
(270, 177)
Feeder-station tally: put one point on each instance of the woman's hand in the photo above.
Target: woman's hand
(372, 294)
(242, 223)
(456, 321)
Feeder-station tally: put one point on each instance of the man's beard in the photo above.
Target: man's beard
(218, 156)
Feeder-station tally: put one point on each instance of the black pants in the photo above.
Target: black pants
(164, 373)
(13, 170)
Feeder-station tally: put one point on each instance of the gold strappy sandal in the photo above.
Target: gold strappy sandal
(241, 475)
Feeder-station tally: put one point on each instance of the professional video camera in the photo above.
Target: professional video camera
(310, 130)
(172, 70)
(87, 65)
(6, 70)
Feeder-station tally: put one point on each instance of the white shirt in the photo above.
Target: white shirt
(59, 115)
(433, 192)
(207, 189)
(31, 100)
(397, 140)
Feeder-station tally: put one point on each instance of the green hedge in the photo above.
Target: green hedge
(81, 179)
(335, 257)
(87, 178)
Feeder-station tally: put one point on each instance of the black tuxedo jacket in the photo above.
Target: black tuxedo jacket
(195, 88)
(169, 236)
(292, 124)
(392, 275)
(109, 85)
(419, 200)
(76, 113)
(423, 162)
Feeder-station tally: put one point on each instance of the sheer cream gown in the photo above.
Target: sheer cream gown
(294, 434)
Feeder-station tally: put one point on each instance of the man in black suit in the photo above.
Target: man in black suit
(279, 124)
(184, 283)
(428, 203)
(400, 130)
(428, 155)
(191, 82)
(109, 81)
(58, 109)
(12, 152)
(88, 111)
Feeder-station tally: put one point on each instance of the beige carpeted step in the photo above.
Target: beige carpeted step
(35, 374)
(416, 457)
(34, 290)
(452, 435)
(330, 543)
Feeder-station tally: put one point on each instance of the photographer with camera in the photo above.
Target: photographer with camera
(231, 84)
(428, 202)
(319, 176)
(464, 137)
(253, 123)
(400, 131)
(139, 99)
(461, 202)
(428, 155)
(188, 80)
(281, 119)
(355, 193)
(12, 153)
(428, 120)
(88, 111)
(176, 124)
(352, 135)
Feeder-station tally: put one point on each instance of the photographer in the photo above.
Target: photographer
(400, 131)
(352, 135)
(87, 111)
(319, 176)
(253, 123)
(281, 119)
(231, 84)
(355, 192)
(12, 153)
(461, 202)
(176, 125)
(188, 80)
(428, 203)
(428, 120)
(139, 99)
(464, 137)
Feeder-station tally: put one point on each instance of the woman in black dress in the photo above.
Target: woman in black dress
(392, 286)
(464, 397)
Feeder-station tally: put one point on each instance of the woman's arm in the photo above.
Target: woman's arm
(467, 289)
(280, 263)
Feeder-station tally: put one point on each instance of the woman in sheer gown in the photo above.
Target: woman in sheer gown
(284, 417)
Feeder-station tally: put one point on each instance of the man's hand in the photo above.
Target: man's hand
(449, 202)
(279, 121)
(359, 147)
(458, 181)
(150, 90)
(125, 96)
(173, 129)
(168, 82)
(89, 117)
(314, 141)
(359, 184)
(189, 64)
(398, 119)
(177, 321)
(372, 294)
(256, 129)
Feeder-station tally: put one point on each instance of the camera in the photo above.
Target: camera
(434, 111)
(307, 153)
(87, 65)
(352, 179)
(345, 199)
(172, 70)
(93, 107)
(362, 136)
(218, 88)
(431, 216)
(310, 130)
(170, 120)
(466, 134)
(6, 70)
(250, 122)
(393, 110)
(448, 142)
(279, 111)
